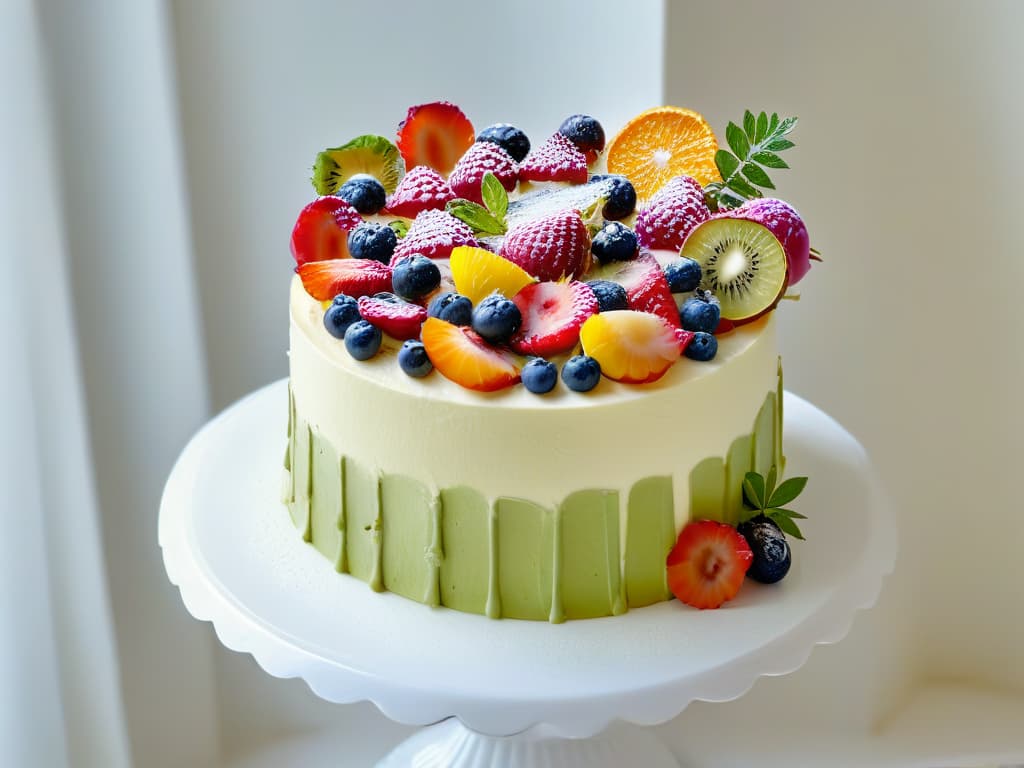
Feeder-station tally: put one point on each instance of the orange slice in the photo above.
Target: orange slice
(662, 143)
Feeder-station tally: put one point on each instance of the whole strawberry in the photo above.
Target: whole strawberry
(421, 189)
(550, 248)
(433, 234)
(483, 156)
(672, 214)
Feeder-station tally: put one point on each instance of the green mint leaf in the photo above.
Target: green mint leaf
(769, 482)
(786, 492)
(786, 126)
(494, 195)
(756, 175)
(742, 189)
(476, 216)
(727, 163)
(773, 124)
(787, 526)
(728, 199)
(401, 227)
(769, 160)
(737, 141)
(762, 128)
(777, 145)
(749, 126)
(788, 513)
(753, 489)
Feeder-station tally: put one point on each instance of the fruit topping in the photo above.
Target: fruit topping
(342, 312)
(742, 263)
(539, 375)
(552, 315)
(660, 144)
(672, 214)
(782, 220)
(398, 319)
(371, 155)
(321, 230)
(478, 273)
(435, 134)
(707, 564)
(586, 133)
(683, 275)
(483, 156)
(772, 557)
(433, 234)
(551, 247)
(557, 159)
(610, 296)
(421, 189)
(496, 318)
(462, 356)
(508, 137)
(362, 340)
(633, 347)
(760, 493)
(364, 193)
(323, 280)
(540, 203)
(700, 313)
(621, 196)
(452, 308)
(614, 242)
(581, 373)
(413, 359)
(645, 284)
(415, 276)
(372, 240)
(702, 347)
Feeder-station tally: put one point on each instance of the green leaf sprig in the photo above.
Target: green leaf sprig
(754, 148)
(765, 499)
(486, 219)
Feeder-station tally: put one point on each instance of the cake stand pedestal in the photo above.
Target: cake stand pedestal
(507, 693)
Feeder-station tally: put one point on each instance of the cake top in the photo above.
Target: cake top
(503, 263)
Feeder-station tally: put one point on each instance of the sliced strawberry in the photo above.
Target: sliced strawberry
(462, 356)
(321, 231)
(634, 347)
(398, 319)
(707, 565)
(553, 314)
(435, 134)
(323, 280)
(421, 189)
(469, 172)
(645, 284)
(433, 234)
(551, 247)
(557, 159)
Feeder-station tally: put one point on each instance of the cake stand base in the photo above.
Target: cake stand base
(450, 744)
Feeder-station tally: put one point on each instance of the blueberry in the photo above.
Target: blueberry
(508, 137)
(362, 340)
(583, 131)
(772, 557)
(415, 276)
(702, 347)
(412, 358)
(344, 311)
(615, 242)
(581, 373)
(452, 308)
(496, 318)
(621, 196)
(364, 193)
(683, 275)
(539, 375)
(699, 315)
(609, 295)
(372, 240)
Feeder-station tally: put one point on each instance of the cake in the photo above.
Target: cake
(520, 377)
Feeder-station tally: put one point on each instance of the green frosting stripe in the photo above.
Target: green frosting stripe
(650, 534)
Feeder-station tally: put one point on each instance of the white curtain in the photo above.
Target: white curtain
(101, 382)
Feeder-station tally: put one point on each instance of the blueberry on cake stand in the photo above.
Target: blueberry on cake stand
(507, 692)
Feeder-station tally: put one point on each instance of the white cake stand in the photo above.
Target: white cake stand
(507, 692)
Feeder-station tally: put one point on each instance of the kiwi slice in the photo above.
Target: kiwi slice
(369, 154)
(742, 263)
